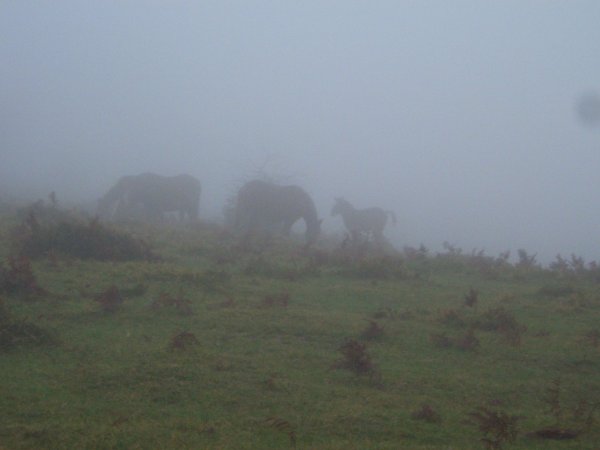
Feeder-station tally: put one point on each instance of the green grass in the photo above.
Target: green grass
(265, 376)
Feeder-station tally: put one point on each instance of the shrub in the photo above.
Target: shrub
(526, 261)
(440, 340)
(471, 298)
(355, 358)
(90, 240)
(467, 342)
(497, 427)
(283, 426)
(183, 340)
(18, 278)
(451, 317)
(502, 321)
(109, 299)
(373, 331)
(582, 415)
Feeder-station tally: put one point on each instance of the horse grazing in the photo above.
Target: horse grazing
(269, 207)
(150, 196)
(370, 221)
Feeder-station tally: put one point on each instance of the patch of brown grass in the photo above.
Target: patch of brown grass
(183, 341)
(110, 299)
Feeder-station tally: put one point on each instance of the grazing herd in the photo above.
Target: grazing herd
(260, 206)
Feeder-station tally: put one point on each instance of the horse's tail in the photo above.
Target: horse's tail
(392, 216)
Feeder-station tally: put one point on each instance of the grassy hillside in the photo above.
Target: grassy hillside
(201, 341)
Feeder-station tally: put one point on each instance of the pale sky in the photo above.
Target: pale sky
(459, 116)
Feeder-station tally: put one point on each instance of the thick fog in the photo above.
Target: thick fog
(477, 123)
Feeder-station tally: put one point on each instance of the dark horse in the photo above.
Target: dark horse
(267, 206)
(150, 196)
(370, 221)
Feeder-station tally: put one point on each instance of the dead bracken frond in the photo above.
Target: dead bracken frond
(110, 299)
(427, 414)
(18, 278)
(497, 427)
(502, 321)
(471, 298)
(355, 358)
(466, 342)
(569, 422)
(283, 426)
(183, 341)
(373, 331)
(452, 317)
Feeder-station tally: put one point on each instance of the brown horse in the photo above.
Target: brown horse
(150, 196)
(270, 207)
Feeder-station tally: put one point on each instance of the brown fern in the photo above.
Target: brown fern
(497, 427)
(283, 426)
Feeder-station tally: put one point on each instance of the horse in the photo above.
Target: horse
(150, 196)
(273, 208)
(369, 221)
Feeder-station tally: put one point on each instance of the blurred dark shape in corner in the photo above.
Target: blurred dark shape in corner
(588, 108)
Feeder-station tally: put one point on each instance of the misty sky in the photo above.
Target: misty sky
(459, 116)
